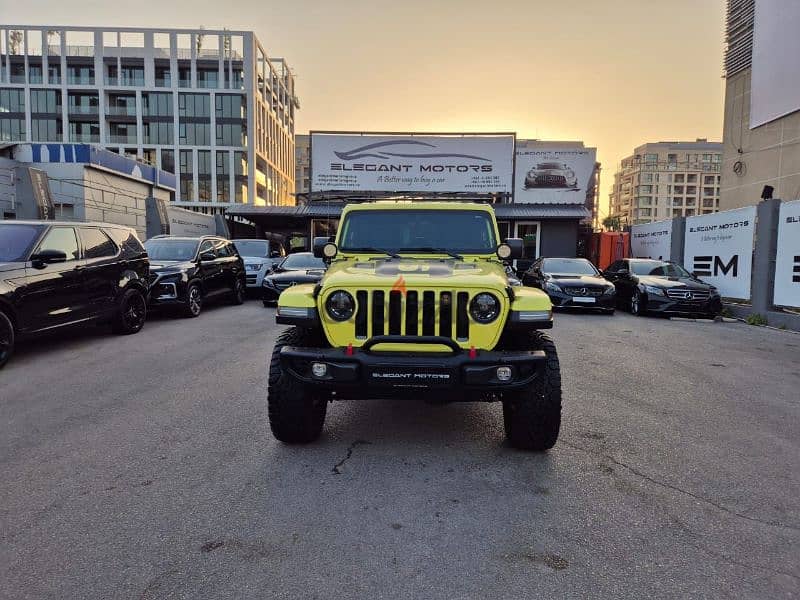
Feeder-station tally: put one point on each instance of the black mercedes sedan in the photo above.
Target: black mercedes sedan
(656, 286)
(571, 283)
(301, 267)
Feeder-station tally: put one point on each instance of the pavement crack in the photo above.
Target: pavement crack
(674, 488)
(337, 468)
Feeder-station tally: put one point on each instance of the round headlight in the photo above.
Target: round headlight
(484, 308)
(340, 305)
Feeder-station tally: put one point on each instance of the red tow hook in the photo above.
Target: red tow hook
(349, 351)
(472, 352)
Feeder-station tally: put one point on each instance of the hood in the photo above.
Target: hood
(578, 280)
(417, 273)
(671, 282)
(257, 260)
(11, 266)
(170, 265)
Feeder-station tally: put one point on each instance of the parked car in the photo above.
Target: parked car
(55, 274)
(551, 175)
(657, 286)
(260, 257)
(300, 267)
(572, 283)
(185, 272)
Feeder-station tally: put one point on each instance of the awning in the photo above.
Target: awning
(541, 211)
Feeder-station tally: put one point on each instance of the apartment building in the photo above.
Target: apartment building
(761, 131)
(667, 179)
(302, 161)
(209, 106)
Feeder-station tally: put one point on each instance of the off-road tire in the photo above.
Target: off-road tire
(131, 314)
(7, 339)
(194, 303)
(237, 293)
(532, 415)
(296, 413)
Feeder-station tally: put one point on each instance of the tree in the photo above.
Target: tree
(612, 223)
(200, 37)
(14, 41)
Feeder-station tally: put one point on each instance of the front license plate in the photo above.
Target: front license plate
(409, 376)
(584, 300)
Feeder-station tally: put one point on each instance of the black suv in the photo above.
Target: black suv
(54, 274)
(187, 271)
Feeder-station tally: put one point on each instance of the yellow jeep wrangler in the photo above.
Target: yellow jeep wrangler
(416, 302)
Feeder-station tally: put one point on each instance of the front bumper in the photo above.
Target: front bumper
(166, 290)
(666, 305)
(563, 300)
(368, 373)
(254, 279)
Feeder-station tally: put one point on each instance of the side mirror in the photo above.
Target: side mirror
(274, 254)
(207, 255)
(318, 246)
(46, 257)
(510, 249)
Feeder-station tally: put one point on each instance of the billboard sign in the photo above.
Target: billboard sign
(787, 262)
(553, 174)
(41, 193)
(474, 163)
(719, 249)
(652, 240)
(190, 223)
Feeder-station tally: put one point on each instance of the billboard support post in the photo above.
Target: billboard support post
(763, 282)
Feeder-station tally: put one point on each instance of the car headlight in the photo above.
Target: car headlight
(340, 305)
(484, 308)
(651, 289)
(552, 287)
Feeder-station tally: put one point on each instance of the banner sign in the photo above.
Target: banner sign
(787, 263)
(190, 223)
(40, 184)
(652, 240)
(719, 249)
(476, 164)
(553, 175)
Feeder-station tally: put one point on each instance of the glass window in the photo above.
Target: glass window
(170, 249)
(97, 244)
(155, 104)
(194, 105)
(16, 241)
(168, 160)
(301, 261)
(61, 239)
(125, 238)
(194, 134)
(158, 132)
(46, 130)
(45, 101)
(222, 250)
(12, 101)
(568, 266)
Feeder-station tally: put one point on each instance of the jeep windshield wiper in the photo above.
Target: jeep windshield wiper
(437, 250)
(370, 249)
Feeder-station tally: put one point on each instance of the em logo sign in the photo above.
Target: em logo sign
(787, 262)
(719, 247)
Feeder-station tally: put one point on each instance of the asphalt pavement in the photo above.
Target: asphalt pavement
(143, 467)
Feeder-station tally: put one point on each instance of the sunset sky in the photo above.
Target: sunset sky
(613, 73)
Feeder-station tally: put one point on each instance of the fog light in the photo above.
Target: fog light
(503, 373)
(319, 369)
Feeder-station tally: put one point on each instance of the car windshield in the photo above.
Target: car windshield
(568, 266)
(550, 166)
(427, 231)
(657, 268)
(16, 241)
(301, 262)
(254, 248)
(165, 249)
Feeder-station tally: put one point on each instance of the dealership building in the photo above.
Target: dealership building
(543, 192)
(209, 106)
(761, 131)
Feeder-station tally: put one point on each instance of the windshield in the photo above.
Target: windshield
(657, 268)
(550, 166)
(466, 231)
(164, 249)
(16, 241)
(252, 248)
(302, 261)
(568, 266)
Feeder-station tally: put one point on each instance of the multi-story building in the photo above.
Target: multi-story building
(302, 162)
(667, 179)
(761, 132)
(207, 105)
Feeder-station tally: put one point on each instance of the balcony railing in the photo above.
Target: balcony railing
(121, 111)
(82, 109)
(121, 139)
(80, 80)
(86, 138)
(125, 81)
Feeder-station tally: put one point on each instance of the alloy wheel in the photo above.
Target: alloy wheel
(635, 303)
(195, 300)
(134, 312)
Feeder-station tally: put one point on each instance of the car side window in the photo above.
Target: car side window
(63, 239)
(206, 246)
(125, 238)
(231, 249)
(96, 243)
(221, 250)
(614, 267)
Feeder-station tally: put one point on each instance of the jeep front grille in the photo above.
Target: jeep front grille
(399, 314)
